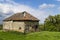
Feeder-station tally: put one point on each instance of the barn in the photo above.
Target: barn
(21, 22)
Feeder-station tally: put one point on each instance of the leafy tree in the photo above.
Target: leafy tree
(52, 23)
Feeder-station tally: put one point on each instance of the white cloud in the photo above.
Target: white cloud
(58, 0)
(51, 5)
(58, 8)
(4, 0)
(6, 8)
(44, 5)
(1, 0)
(11, 6)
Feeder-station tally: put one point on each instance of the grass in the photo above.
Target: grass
(31, 36)
(44, 36)
(11, 36)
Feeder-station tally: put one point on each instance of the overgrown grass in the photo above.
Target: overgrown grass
(31, 36)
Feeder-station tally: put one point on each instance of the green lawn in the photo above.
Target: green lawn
(31, 36)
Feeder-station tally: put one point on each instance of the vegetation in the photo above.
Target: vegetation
(41, 27)
(43, 36)
(11, 35)
(1, 26)
(31, 36)
(52, 23)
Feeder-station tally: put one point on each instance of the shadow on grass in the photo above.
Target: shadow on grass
(15, 32)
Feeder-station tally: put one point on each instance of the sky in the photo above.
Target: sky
(38, 8)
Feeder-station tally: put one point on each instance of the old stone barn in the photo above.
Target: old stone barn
(21, 22)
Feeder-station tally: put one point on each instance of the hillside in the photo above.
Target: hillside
(31, 36)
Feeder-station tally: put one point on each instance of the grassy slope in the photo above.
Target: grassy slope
(31, 36)
(44, 36)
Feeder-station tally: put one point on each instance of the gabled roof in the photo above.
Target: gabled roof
(22, 16)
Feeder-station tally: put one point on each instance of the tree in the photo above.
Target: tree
(52, 23)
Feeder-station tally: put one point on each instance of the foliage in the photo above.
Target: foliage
(52, 23)
(1, 27)
(41, 27)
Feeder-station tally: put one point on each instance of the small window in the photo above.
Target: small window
(19, 28)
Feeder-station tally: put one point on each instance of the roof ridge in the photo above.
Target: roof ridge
(21, 16)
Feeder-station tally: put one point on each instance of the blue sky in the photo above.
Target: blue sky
(36, 3)
(38, 8)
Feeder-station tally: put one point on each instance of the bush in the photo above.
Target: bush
(1, 27)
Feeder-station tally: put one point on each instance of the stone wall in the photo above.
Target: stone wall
(18, 26)
(30, 25)
(7, 25)
(21, 26)
(15, 26)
